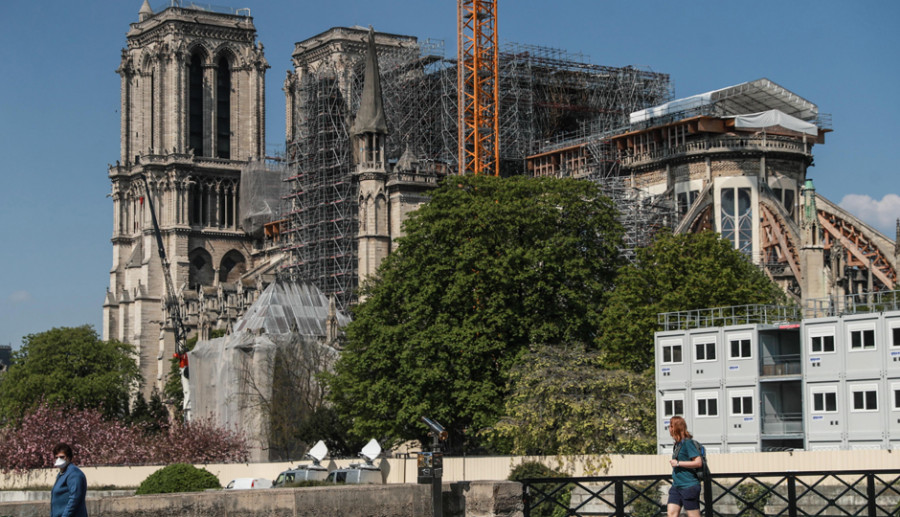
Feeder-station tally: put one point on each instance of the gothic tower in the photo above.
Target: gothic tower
(368, 136)
(193, 113)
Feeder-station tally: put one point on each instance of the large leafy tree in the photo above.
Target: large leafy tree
(69, 367)
(487, 268)
(676, 273)
(563, 401)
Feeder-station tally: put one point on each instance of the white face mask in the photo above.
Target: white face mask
(60, 463)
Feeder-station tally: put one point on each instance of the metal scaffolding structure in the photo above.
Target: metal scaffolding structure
(546, 96)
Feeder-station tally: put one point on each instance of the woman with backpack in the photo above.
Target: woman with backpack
(685, 491)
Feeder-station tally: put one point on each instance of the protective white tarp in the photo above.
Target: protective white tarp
(229, 376)
(261, 194)
(773, 118)
(750, 97)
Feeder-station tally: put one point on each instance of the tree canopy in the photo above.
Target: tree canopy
(563, 401)
(69, 367)
(676, 273)
(487, 268)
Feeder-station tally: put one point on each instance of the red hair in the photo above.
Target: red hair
(678, 428)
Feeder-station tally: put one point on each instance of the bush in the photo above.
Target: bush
(755, 497)
(645, 500)
(178, 477)
(549, 508)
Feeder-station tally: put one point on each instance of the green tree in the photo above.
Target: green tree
(562, 401)
(487, 268)
(69, 367)
(675, 273)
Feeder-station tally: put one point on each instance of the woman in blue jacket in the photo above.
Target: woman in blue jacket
(67, 497)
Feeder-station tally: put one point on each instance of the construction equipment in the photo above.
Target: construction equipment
(478, 87)
(171, 306)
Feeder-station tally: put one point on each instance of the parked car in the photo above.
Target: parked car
(246, 483)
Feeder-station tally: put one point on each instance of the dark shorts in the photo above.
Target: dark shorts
(687, 498)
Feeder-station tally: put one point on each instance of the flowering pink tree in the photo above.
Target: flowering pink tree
(96, 441)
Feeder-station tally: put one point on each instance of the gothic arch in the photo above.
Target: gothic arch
(231, 268)
(227, 52)
(201, 270)
(197, 48)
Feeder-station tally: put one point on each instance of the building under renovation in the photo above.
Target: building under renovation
(371, 128)
(735, 161)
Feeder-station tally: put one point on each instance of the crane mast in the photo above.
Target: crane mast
(478, 87)
(170, 304)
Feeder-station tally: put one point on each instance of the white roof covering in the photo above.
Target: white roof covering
(774, 118)
(745, 98)
(288, 307)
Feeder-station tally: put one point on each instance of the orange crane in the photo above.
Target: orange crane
(478, 80)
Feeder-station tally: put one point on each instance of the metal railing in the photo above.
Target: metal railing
(870, 493)
(782, 364)
(724, 316)
(782, 423)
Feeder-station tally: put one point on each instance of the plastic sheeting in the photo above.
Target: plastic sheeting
(774, 118)
(261, 194)
(230, 375)
(286, 307)
(750, 97)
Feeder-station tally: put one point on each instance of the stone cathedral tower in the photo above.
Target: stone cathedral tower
(193, 113)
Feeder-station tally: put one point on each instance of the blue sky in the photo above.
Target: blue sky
(59, 101)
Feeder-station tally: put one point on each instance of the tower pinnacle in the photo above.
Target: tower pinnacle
(370, 117)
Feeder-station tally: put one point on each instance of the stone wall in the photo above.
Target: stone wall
(468, 499)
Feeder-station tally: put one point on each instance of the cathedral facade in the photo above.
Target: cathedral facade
(193, 133)
(193, 114)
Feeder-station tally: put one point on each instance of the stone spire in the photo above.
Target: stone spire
(370, 117)
(145, 11)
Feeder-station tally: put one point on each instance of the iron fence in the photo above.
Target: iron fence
(791, 494)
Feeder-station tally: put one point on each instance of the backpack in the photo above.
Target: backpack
(702, 472)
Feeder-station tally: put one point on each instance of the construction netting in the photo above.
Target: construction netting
(243, 380)
(262, 189)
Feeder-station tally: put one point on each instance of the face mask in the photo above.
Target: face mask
(60, 463)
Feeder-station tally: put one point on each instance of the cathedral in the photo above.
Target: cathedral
(192, 135)
(370, 130)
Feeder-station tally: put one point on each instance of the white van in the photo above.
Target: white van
(357, 475)
(360, 473)
(314, 472)
(247, 483)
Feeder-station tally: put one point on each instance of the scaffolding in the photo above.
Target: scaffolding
(322, 218)
(546, 96)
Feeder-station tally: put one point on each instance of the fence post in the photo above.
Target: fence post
(792, 495)
(526, 498)
(707, 497)
(620, 498)
(870, 494)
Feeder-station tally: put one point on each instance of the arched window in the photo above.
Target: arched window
(201, 271)
(195, 104)
(232, 267)
(737, 218)
(223, 108)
